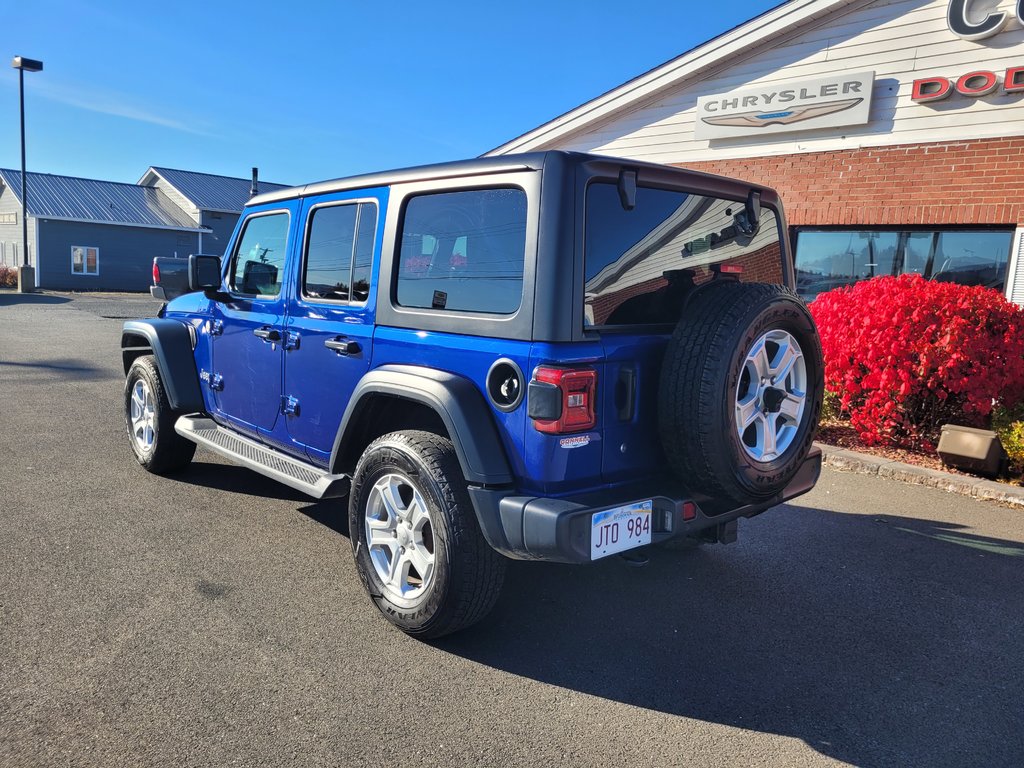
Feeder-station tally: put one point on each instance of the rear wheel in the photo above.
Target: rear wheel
(416, 541)
(149, 420)
(741, 390)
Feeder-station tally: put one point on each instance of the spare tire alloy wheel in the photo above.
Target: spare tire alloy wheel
(771, 396)
(741, 391)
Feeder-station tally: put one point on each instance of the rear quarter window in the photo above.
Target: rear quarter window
(463, 251)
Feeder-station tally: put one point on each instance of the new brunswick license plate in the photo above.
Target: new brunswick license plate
(619, 529)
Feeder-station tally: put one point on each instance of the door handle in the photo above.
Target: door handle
(267, 334)
(343, 346)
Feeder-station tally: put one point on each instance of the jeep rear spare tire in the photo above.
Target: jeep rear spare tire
(741, 390)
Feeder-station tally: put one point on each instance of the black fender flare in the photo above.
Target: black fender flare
(455, 399)
(170, 342)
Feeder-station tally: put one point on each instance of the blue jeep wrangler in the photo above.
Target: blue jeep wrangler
(548, 356)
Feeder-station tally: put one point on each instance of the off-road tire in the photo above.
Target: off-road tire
(468, 574)
(168, 452)
(697, 395)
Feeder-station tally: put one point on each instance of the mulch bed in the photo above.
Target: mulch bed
(841, 435)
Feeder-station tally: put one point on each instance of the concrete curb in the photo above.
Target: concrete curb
(862, 463)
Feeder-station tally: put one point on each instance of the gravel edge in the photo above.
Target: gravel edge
(851, 461)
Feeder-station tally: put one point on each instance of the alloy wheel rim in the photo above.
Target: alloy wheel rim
(771, 396)
(142, 416)
(400, 536)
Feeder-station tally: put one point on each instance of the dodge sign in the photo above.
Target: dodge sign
(825, 102)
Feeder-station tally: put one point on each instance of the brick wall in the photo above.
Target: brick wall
(965, 182)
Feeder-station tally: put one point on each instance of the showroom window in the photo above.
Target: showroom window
(831, 258)
(85, 260)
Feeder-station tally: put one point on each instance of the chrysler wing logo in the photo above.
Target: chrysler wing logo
(783, 117)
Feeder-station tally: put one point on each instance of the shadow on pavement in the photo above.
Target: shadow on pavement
(236, 479)
(331, 513)
(885, 641)
(877, 640)
(10, 298)
(80, 369)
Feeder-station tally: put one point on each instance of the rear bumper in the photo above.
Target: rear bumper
(558, 529)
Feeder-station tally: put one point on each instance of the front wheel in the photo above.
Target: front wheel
(149, 420)
(416, 541)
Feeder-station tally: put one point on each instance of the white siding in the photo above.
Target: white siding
(176, 197)
(900, 40)
(1015, 273)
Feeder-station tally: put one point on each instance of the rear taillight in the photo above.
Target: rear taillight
(561, 400)
(156, 273)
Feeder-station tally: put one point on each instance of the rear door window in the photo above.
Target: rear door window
(339, 252)
(463, 251)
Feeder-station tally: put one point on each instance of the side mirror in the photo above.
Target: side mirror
(204, 275)
(203, 272)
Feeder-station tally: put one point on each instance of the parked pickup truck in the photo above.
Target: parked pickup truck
(548, 356)
(170, 278)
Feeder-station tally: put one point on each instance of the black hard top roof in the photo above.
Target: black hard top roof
(527, 161)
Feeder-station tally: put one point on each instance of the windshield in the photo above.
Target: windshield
(640, 263)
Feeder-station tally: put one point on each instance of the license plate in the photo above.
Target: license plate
(619, 529)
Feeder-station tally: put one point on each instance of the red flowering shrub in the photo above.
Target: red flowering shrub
(906, 355)
(8, 277)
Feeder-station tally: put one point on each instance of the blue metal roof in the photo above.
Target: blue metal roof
(213, 193)
(112, 202)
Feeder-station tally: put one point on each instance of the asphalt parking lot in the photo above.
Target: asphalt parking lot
(216, 619)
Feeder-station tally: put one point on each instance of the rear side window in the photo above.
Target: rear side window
(463, 251)
(339, 252)
(258, 264)
(639, 264)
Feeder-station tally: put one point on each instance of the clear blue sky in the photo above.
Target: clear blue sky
(316, 90)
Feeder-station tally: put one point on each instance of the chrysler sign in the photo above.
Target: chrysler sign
(826, 102)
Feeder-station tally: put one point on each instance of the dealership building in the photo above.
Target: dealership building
(893, 130)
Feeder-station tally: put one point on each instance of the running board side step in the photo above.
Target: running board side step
(296, 474)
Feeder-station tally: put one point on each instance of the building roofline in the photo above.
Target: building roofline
(778, 20)
(154, 169)
(16, 191)
(157, 168)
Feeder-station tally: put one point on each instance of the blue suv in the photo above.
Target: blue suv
(550, 356)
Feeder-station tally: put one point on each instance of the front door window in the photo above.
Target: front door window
(258, 265)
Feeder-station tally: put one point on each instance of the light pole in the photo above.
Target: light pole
(26, 275)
